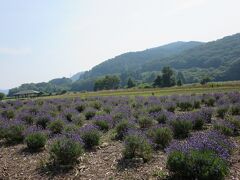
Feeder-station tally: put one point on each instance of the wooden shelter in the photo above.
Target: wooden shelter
(26, 94)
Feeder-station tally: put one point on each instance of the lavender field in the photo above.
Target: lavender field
(118, 137)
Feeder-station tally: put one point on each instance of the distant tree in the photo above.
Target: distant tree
(2, 96)
(130, 83)
(205, 80)
(107, 83)
(179, 82)
(158, 81)
(151, 78)
(168, 78)
(181, 77)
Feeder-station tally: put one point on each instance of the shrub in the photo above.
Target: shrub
(65, 151)
(28, 119)
(90, 136)
(198, 122)
(103, 125)
(210, 102)
(196, 104)
(36, 141)
(137, 147)
(154, 109)
(235, 109)
(185, 106)
(222, 111)
(122, 128)
(80, 108)
(56, 126)
(8, 114)
(71, 128)
(96, 105)
(197, 165)
(204, 141)
(78, 119)
(89, 114)
(145, 122)
(43, 121)
(181, 128)
(2, 95)
(162, 118)
(162, 137)
(225, 127)
(14, 133)
(206, 114)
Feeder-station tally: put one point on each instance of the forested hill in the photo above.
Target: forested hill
(219, 60)
(134, 60)
(221, 53)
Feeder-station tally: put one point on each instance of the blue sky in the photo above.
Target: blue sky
(45, 39)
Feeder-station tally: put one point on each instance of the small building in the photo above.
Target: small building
(26, 94)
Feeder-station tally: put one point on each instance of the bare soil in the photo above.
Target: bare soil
(103, 163)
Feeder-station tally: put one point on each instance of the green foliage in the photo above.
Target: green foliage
(179, 82)
(55, 85)
(145, 122)
(162, 137)
(36, 141)
(222, 111)
(224, 129)
(185, 106)
(197, 165)
(154, 109)
(42, 122)
(102, 124)
(57, 126)
(71, 128)
(210, 102)
(235, 109)
(137, 147)
(65, 151)
(91, 138)
(121, 129)
(2, 96)
(80, 108)
(89, 114)
(106, 83)
(14, 134)
(181, 128)
(78, 120)
(198, 123)
(9, 114)
(166, 80)
(158, 81)
(130, 83)
(28, 119)
(205, 80)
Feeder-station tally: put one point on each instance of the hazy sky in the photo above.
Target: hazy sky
(45, 39)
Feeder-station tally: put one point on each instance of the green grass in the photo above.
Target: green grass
(186, 89)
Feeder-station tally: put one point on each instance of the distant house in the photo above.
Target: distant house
(27, 93)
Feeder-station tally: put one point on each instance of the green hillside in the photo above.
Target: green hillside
(219, 60)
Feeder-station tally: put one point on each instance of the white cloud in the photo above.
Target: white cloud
(15, 51)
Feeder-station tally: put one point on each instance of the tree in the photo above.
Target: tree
(158, 81)
(168, 78)
(130, 83)
(179, 82)
(2, 96)
(205, 80)
(107, 83)
(181, 77)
